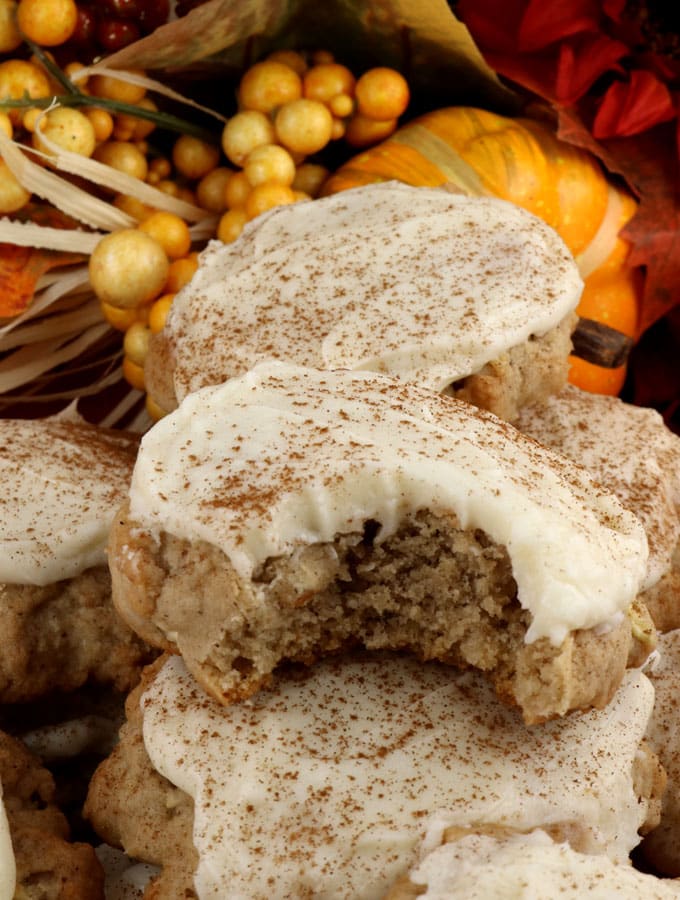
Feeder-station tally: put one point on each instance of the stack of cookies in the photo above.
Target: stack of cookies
(68, 660)
(398, 586)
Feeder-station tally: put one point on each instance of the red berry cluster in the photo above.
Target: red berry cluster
(105, 26)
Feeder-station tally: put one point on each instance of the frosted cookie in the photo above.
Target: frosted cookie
(37, 860)
(662, 847)
(328, 785)
(63, 481)
(291, 512)
(470, 295)
(631, 452)
(525, 867)
(135, 809)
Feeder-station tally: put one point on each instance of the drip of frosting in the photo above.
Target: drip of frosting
(8, 871)
(414, 281)
(62, 483)
(628, 449)
(285, 456)
(528, 866)
(328, 785)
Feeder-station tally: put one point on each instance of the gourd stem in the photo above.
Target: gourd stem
(600, 344)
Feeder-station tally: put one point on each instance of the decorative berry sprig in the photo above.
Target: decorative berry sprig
(289, 108)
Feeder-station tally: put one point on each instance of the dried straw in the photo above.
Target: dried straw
(60, 349)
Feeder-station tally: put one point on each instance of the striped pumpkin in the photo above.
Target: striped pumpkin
(520, 160)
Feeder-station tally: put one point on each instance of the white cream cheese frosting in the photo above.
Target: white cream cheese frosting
(62, 484)
(330, 784)
(8, 870)
(628, 449)
(285, 456)
(530, 867)
(414, 281)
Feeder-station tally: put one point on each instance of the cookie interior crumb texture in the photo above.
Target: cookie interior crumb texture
(432, 589)
(292, 512)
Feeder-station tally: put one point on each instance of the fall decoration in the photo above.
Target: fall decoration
(55, 331)
(561, 68)
(76, 135)
(610, 74)
(292, 106)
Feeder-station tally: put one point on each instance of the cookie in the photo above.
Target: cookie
(630, 451)
(329, 783)
(136, 809)
(70, 733)
(292, 512)
(63, 481)
(471, 295)
(37, 859)
(525, 866)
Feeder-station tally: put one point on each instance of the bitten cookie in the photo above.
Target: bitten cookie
(329, 783)
(470, 295)
(62, 482)
(630, 451)
(37, 860)
(292, 512)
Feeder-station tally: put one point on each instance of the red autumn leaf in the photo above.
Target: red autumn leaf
(614, 9)
(649, 164)
(544, 23)
(644, 151)
(525, 25)
(633, 106)
(665, 69)
(532, 72)
(494, 27)
(655, 229)
(561, 73)
(580, 63)
(20, 269)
